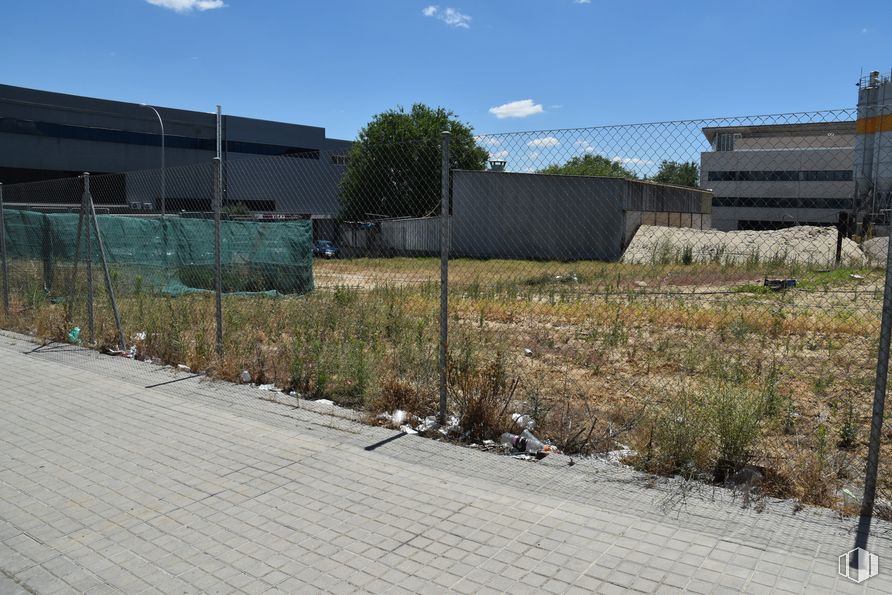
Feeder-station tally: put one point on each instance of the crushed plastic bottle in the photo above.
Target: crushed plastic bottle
(74, 336)
(525, 441)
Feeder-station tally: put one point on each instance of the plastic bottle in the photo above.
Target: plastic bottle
(74, 337)
(513, 441)
(533, 444)
(525, 442)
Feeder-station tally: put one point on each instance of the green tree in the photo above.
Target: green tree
(590, 165)
(680, 174)
(393, 168)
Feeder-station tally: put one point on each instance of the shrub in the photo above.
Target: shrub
(671, 440)
(734, 415)
(481, 390)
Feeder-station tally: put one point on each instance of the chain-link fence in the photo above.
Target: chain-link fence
(697, 297)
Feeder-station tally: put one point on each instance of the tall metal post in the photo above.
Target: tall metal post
(879, 394)
(3, 256)
(218, 246)
(122, 343)
(879, 398)
(218, 267)
(444, 273)
(77, 258)
(90, 327)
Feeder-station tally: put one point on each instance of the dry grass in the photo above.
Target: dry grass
(617, 354)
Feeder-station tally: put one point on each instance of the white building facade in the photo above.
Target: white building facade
(774, 176)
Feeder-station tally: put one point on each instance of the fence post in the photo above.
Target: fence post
(444, 273)
(122, 343)
(879, 402)
(879, 398)
(218, 268)
(3, 256)
(86, 201)
(77, 258)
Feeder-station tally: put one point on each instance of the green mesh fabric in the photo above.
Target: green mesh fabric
(173, 256)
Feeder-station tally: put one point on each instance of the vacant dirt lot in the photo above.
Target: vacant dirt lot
(697, 367)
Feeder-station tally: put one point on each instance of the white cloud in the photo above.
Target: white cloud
(516, 109)
(585, 146)
(456, 19)
(534, 154)
(498, 154)
(632, 161)
(488, 140)
(188, 5)
(582, 1)
(548, 141)
(450, 16)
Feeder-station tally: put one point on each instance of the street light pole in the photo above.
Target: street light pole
(163, 169)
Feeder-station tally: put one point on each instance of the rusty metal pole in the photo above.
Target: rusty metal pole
(444, 275)
(3, 256)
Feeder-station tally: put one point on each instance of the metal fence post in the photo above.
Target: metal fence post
(69, 311)
(879, 404)
(218, 268)
(444, 273)
(87, 200)
(3, 256)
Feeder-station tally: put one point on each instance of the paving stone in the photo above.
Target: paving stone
(197, 486)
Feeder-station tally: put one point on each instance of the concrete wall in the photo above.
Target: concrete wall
(391, 237)
(534, 216)
(412, 237)
(635, 219)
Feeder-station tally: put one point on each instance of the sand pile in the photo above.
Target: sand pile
(875, 250)
(805, 245)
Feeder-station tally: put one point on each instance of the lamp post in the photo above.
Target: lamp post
(163, 171)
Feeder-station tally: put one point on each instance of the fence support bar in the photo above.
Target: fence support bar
(122, 342)
(444, 274)
(3, 256)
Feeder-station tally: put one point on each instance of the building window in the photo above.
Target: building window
(841, 175)
(768, 202)
(725, 141)
(827, 176)
(339, 159)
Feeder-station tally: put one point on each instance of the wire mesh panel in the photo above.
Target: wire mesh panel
(367, 335)
(697, 297)
(683, 293)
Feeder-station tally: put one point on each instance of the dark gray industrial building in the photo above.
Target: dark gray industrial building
(45, 136)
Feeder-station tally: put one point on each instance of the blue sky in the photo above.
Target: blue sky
(566, 63)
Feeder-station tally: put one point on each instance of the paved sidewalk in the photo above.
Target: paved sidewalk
(189, 486)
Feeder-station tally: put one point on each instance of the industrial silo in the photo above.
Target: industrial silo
(873, 149)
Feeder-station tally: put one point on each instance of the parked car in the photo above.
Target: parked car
(325, 249)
